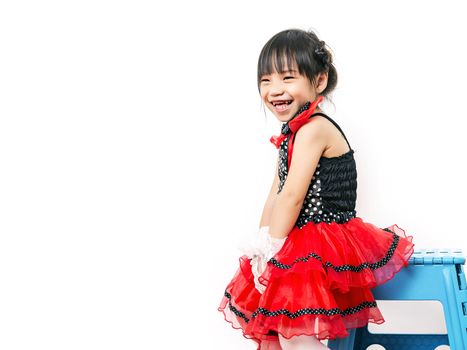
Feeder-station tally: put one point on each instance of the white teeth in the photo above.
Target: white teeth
(282, 107)
(281, 102)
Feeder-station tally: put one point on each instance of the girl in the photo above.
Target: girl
(307, 273)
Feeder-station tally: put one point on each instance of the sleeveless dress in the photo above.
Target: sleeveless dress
(319, 282)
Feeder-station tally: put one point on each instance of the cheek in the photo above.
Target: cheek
(307, 92)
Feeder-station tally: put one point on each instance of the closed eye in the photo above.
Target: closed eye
(264, 80)
(288, 77)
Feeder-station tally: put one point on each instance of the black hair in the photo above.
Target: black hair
(303, 48)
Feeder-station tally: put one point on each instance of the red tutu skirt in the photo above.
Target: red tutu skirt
(319, 282)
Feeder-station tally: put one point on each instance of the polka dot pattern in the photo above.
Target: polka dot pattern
(283, 163)
(234, 309)
(341, 268)
(301, 312)
(314, 311)
(330, 198)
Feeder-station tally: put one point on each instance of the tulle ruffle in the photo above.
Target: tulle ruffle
(354, 254)
(319, 282)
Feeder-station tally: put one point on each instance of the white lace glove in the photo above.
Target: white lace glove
(258, 266)
(260, 248)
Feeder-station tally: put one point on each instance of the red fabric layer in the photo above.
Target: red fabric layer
(296, 123)
(319, 283)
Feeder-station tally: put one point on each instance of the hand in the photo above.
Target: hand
(261, 244)
(258, 266)
(255, 244)
(260, 248)
(275, 244)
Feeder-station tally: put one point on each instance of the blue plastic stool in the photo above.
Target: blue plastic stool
(431, 275)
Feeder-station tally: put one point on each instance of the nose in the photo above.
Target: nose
(276, 88)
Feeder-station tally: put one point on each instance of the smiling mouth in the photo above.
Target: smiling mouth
(281, 105)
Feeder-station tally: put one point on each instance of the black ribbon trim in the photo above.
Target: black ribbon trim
(234, 309)
(315, 311)
(346, 267)
(301, 312)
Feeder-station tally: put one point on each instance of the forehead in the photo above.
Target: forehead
(277, 62)
(283, 63)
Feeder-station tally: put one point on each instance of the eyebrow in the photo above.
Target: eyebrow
(283, 72)
(289, 71)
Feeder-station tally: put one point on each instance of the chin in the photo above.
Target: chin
(286, 117)
(282, 118)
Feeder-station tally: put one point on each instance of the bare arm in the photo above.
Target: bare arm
(266, 216)
(310, 143)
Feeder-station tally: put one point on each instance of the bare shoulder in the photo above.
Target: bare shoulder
(309, 145)
(336, 144)
(324, 123)
(318, 128)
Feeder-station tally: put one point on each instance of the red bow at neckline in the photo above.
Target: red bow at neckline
(295, 123)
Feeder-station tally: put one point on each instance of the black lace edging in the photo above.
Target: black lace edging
(346, 267)
(301, 312)
(234, 309)
(315, 311)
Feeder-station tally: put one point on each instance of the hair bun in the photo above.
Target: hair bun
(300, 48)
(321, 54)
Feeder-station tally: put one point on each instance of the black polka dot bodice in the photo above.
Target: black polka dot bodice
(332, 193)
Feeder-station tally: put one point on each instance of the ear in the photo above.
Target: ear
(321, 82)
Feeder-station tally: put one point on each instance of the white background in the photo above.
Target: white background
(134, 152)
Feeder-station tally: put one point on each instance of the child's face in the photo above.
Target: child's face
(284, 93)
